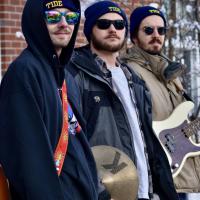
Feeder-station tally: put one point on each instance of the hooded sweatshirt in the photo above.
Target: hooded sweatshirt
(31, 120)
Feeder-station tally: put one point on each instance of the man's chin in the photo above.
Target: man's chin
(62, 44)
(155, 50)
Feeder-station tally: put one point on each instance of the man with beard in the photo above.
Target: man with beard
(148, 27)
(43, 150)
(116, 105)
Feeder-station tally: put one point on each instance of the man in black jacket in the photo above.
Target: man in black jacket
(115, 102)
(43, 151)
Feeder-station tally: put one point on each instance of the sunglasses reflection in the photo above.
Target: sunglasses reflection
(54, 16)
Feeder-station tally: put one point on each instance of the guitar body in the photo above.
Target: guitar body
(4, 190)
(174, 135)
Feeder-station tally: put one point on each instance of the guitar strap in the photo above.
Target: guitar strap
(4, 189)
(180, 88)
(61, 149)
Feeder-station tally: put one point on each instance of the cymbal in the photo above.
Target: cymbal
(117, 172)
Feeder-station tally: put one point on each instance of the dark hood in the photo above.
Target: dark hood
(37, 36)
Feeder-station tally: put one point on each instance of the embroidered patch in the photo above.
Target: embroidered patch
(54, 4)
(154, 11)
(114, 9)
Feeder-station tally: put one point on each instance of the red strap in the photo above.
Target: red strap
(4, 189)
(61, 149)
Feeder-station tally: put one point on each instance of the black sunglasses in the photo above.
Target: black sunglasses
(106, 23)
(149, 30)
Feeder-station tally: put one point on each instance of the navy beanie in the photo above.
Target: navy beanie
(96, 10)
(51, 4)
(139, 14)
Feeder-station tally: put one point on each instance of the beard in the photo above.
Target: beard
(156, 49)
(106, 46)
(151, 48)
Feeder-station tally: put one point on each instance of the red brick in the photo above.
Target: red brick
(18, 9)
(8, 51)
(2, 15)
(16, 16)
(6, 44)
(6, 58)
(9, 36)
(8, 22)
(14, 2)
(18, 24)
(9, 8)
(5, 30)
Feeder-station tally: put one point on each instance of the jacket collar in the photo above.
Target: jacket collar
(154, 63)
(87, 61)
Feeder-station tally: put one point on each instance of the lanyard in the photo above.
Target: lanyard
(61, 149)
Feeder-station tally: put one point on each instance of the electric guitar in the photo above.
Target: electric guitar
(4, 190)
(175, 133)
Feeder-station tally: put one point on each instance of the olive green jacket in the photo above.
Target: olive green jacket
(166, 95)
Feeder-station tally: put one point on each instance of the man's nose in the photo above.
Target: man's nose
(155, 32)
(112, 27)
(63, 22)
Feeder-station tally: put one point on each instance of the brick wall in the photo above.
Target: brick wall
(10, 15)
(11, 40)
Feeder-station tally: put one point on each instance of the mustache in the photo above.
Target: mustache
(63, 30)
(155, 40)
(112, 36)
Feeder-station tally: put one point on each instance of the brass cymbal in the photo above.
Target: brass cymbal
(117, 172)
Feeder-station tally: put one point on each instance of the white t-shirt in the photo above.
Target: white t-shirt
(121, 88)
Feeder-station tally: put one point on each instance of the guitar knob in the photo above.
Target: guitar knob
(176, 165)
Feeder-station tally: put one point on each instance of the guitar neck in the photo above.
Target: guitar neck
(192, 128)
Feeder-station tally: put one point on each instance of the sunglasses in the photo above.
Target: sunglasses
(149, 30)
(54, 16)
(106, 23)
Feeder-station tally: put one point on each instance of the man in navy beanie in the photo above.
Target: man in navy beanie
(98, 9)
(148, 27)
(115, 102)
(43, 149)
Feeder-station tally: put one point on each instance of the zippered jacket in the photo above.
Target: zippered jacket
(107, 122)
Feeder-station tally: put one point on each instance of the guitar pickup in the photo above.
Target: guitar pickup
(169, 138)
(171, 147)
(170, 143)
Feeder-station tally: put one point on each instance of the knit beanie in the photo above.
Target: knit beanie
(139, 14)
(96, 10)
(51, 4)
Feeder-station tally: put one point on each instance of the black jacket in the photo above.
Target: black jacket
(31, 120)
(107, 122)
